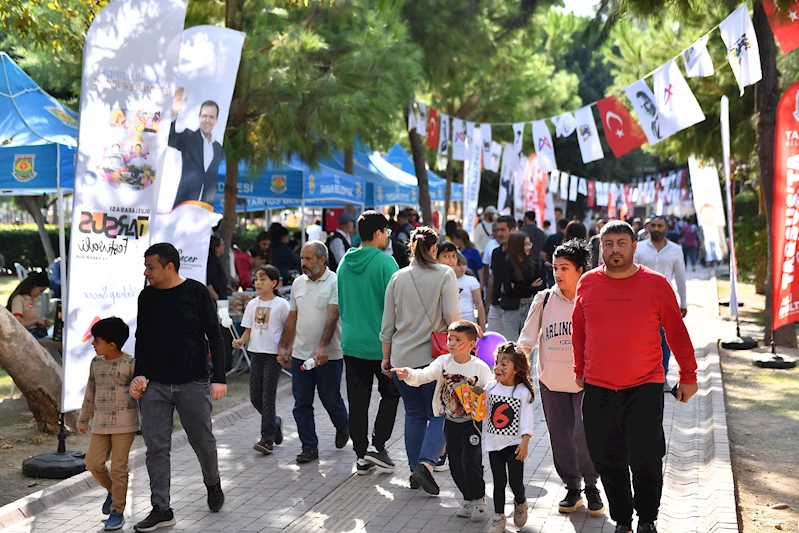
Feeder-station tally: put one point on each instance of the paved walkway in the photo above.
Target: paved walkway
(273, 494)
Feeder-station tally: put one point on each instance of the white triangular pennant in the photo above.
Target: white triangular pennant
(496, 155)
(421, 119)
(443, 135)
(698, 62)
(565, 124)
(743, 53)
(485, 134)
(587, 135)
(573, 188)
(542, 140)
(458, 140)
(518, 137)
(564, 185)
(643, 102)
(582, 187)
(554, 182)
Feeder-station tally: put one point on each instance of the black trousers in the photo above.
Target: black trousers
(624, 431)
(264, 376)
(360, 376)
(465, 449)
(506, 469)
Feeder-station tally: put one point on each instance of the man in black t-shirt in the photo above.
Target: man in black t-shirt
(175, 318)
(552, 242)
(505, 225)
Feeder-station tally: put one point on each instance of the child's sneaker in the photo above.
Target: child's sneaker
(114, 522)
(441, 465)
(264, 447)
(465, 510)
(363, 467)
(520, 512)
(479, 512)
(107, 505)
(497, 523)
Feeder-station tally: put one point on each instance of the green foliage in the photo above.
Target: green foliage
(21, 244)
(751, 245)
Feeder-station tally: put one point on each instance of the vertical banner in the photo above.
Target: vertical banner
(709, 208)
(471, 179)
(520, 186)
(537, 188)
(725, 149)
(509, 164)
(458, 140)
(785, 211)
(209, 62)
(126, 90)
(443, 136)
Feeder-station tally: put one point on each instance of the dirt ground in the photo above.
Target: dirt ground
(19, 438)
(763, 422)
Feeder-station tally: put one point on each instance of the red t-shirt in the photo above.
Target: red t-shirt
(616, 330)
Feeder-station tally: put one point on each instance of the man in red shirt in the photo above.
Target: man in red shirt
(618, 312)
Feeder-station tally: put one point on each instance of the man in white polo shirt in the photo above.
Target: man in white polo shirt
(313, 330)
(665, 257)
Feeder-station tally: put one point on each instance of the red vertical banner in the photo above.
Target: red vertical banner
(591, 192)
(785, 211)
(432, 128)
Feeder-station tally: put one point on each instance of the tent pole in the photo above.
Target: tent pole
(302, 220)
(62, 238)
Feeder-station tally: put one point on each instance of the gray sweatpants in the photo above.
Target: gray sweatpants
(193, 402)
(563, 413)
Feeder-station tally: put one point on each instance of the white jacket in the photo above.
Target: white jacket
(553, 336)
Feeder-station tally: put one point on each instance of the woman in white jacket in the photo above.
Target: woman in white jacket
(549, 326)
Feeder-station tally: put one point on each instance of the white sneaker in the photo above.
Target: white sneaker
(465, 510)
(479, 512)
(497, 523)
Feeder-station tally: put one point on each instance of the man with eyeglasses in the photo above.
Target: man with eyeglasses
(363, 276)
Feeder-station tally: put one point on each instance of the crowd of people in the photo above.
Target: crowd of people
(565, 305)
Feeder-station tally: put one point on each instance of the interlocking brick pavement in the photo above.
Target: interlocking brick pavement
(273, 494)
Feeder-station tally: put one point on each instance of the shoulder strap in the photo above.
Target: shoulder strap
(541, 316)
(426, 312)
(483, 225)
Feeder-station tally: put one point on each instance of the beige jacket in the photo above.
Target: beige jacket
(418, 301)
(108, 398)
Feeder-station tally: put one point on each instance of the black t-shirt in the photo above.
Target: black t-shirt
(171, 334)
(497, 262)
(537, 239)
(552, 242)
(215, 276)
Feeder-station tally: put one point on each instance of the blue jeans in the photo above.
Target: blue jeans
(326, 379)
(424, 433)
(689, 254)
(666, 352)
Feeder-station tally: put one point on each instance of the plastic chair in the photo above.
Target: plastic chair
(22, 272)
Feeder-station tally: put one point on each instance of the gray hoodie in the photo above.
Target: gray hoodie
(418, 302)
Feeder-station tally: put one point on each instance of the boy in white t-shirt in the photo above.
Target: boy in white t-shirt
(469, 295)
(263, 322)
(464, 434)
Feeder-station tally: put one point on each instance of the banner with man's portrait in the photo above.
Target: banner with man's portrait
(209, 63)
(126, 88)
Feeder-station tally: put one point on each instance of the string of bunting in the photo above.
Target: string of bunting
(671, 108)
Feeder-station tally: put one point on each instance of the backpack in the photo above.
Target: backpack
(332, 264)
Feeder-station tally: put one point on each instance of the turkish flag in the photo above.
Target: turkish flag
(622, 131)
(591, 192)
(784, 24)
(432, 128)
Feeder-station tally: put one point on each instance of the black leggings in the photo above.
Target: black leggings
(500, 460)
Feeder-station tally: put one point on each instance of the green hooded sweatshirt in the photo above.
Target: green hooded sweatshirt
(363, 276)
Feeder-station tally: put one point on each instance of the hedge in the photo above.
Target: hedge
(22, 244)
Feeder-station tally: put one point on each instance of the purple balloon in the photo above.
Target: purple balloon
(487, 347)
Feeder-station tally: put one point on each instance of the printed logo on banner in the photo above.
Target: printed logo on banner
(380, 194)
(63, 116)
(88, 335)
(24, 167)
(311, 183)
(585, 132)
(105, 235)
(738, 49)
(357, 190)
(124, 162)
(278, 184)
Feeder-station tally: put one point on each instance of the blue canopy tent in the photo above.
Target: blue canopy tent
(380, 191)
(293, 184)
(401, 159)
(38, 138)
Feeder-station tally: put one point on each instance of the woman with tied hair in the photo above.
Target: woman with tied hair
(22, 306)
(549, 327)
(420, 298)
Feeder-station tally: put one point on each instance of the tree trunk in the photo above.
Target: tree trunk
(33, 205)
(228, 223)
(33, 370)
(349, 161)
(767, 96)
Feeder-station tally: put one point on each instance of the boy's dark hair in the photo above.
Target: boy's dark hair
(445, 247)
(464, 326)
(369, 223)
(617, 227)
(508, 221)
(166, 254)
(112, 330)
(529, 215)
(562, 223)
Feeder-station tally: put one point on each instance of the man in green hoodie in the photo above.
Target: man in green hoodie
(363, 276)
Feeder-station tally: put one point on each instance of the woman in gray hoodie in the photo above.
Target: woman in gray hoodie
(420, 298)
(549, 326)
